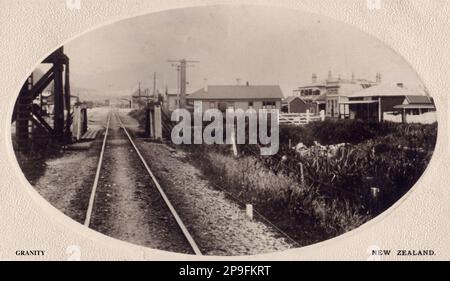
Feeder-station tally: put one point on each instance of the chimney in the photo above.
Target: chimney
(314, 78)
(247, 84)
(353, 76)
(205, 85)
(378, 78)
(400, 85)
(238, 81)
(330, 75)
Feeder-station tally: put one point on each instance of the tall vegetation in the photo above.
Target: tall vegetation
(327, 177)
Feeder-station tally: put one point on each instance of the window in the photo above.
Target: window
(222, 106)
(250, 104)
(269, 104)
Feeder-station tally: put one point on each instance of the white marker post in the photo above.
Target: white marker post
(322, 115)
(233, 141)
(249, 211)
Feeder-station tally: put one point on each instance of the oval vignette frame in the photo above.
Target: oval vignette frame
(89, 234)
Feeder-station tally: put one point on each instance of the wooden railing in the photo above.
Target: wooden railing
(300, 118)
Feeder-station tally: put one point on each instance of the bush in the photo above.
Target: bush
(346, 131)
(392, 162)
(298, 209)
(139, 115)
(337, 198)
(296, 134)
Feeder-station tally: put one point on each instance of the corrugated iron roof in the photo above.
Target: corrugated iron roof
(238, 92)
(416, 105)
(359, 102)
(347, 89)
(317, 84)
(385, 90)
(418, 99)
(290, 99)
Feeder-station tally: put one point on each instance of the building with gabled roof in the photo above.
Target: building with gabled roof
(238, 96)
(294, 104)
(375, 102)
(327, 94)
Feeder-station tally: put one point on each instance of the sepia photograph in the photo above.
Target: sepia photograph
(224, 130)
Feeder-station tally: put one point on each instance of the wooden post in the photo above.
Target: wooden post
(233, 141)
(77, 122)
(302, 175)
(158, 123)
(307, 116)
(67, 104)
(58, 118)
(150, 123)
(249, 211)
(380, 113)
(85, 120)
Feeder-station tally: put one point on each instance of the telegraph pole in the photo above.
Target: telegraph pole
(154, 84)
(139, 90)
(181, 65)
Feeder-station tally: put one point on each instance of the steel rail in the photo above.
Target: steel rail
(87, 220)
(180, 223)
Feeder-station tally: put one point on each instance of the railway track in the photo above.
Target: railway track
(101, 178)
(128, 202)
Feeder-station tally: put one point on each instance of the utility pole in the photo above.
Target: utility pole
(139, 90)
(181, 65)
(178, 86)
(154, 84)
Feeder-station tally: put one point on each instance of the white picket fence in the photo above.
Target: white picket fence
(300, 118)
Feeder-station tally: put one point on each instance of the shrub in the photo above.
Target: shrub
(299, 209)
(139, 115)
(389, 156)
(346, 131)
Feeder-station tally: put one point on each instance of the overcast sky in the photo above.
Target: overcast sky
(256, 44)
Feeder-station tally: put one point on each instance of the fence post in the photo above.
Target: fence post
(76, 123)
(150, 123)
(233, 141)
(302, 175)
(307, 116)
(158, 125)
(249, 211)
(322, 115)
(85, 120)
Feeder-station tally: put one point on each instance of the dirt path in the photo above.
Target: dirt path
(67, 180)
